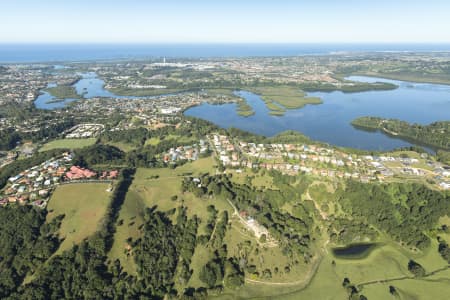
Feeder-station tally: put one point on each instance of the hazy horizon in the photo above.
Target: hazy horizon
(59, 52)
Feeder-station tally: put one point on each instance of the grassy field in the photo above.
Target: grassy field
(200, 257)
(202, 165)
(130, 217)
(125, 147)
(434, 287)
(158, 191)
(259, 180)
(387, 262)
(384, 263)
(152, 141)
(83, 205)
(68, 143)
(155, 187)
(181, 139)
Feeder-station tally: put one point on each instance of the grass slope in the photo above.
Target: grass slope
(83, 205)
(386, 262)
(155, 187)
(68, 143)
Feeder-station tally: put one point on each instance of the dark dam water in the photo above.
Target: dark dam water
(354, 251)
(330, 122)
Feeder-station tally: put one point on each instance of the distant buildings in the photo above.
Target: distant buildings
(170, 110)
(84, 131)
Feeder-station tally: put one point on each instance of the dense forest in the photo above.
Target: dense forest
(404, 211)
(436, 134)
(26, 242)
(9, 139)
(164, 251)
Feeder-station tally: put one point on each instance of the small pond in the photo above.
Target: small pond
(354, 251)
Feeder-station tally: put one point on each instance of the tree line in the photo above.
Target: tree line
(436, 134)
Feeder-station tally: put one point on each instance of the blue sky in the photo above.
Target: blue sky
(244, 21)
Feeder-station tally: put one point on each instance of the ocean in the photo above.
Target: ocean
(33, 53)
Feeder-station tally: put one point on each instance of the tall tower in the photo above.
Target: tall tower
(164, 60)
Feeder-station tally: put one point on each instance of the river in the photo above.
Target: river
(89, 86)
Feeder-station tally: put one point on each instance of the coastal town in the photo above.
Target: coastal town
(167, 89)
(156, 91)
(138, 112)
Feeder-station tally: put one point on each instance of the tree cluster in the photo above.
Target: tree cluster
(403, 210)
(26, 242)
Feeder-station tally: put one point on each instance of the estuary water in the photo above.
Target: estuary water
(46, 101)
(89, 86)
(330, 122)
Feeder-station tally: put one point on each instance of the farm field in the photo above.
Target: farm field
(178, 138)
(260, 179)
(68, 143)
(384, 263)
(387, 262)
(84, 205)
(152, 141)
(125, 147)
(156, 187)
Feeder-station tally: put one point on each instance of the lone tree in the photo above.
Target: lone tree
(393, 290)
(346, 282)
(263, 238)
(416, 269)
